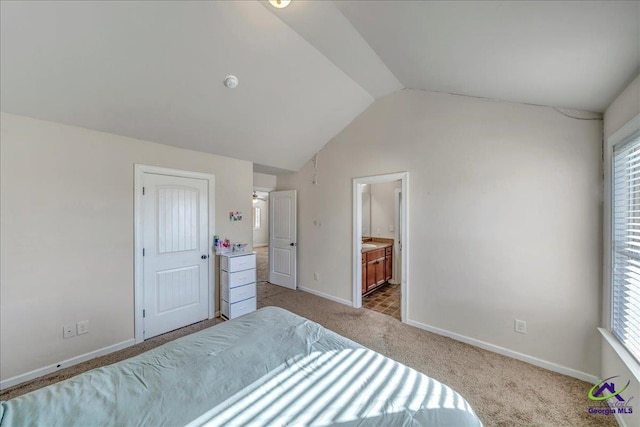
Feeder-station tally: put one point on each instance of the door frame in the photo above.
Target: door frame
(397, 234)
(404, 232)
(295, 237)
(138, 293)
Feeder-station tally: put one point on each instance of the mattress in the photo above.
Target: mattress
(267, 368)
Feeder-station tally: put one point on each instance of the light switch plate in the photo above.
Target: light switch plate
(82, 327)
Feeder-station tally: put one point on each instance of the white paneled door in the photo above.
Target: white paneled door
(282, 238)
(176, 252)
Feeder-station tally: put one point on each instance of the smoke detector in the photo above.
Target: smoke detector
(280, 3)
(231, 81)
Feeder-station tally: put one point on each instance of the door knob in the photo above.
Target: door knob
(292, 244)
(204, 257)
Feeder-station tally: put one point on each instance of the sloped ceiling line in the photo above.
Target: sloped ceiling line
(153, 70)
(326, 29)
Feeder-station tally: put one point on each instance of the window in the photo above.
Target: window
(625, 245)
(256, 217)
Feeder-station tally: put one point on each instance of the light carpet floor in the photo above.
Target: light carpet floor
(262, 264)
(503, 391)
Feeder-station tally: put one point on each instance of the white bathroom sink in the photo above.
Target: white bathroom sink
(369, 246)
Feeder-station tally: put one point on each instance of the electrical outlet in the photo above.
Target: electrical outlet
(82, 327)
(316, 276)
(68, 331)
(520, 326)
(392, 228)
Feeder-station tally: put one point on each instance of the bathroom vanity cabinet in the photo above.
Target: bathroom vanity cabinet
(376, 268)
(388, 263)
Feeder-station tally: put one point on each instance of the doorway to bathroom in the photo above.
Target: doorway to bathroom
(380, 244)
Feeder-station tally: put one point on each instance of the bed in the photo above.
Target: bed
(267, 368)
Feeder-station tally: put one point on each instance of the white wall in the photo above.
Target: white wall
(67, 234)
(264, 181)
(625, 107)
(504, 218)
(366, 211)
(383, 208)
(261, 235)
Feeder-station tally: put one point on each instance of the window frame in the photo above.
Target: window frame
(621, 136)
(256, 217)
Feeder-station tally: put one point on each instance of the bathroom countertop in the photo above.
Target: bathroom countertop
(379, 245)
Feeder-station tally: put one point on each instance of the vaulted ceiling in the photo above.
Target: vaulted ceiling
(154, 69)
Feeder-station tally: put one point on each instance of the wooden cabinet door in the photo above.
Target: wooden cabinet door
(379, 266)
(388, 266)
(364, 275)
(371, 275)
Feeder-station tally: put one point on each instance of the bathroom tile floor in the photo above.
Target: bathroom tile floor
(384, 300)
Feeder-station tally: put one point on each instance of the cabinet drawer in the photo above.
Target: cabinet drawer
(239, 278)
(373, 255)
(238, 263)
(238, 294)
(233, 310)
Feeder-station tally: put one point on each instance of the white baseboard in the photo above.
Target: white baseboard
(10, 382)
(509, 353)
(327, 296)
(260, 245)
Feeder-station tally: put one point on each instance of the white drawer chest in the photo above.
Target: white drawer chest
(237, 284)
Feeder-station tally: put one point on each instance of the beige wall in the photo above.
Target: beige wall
(67, 234)
(504, 206)
(264, 181)
(383, 208)
(261, 235)
(366, 211)
(625, 107)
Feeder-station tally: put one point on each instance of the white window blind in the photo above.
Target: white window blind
(625, 298)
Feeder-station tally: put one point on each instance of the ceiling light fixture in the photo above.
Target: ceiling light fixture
(280, 3)
(231, 82)
(257, 198)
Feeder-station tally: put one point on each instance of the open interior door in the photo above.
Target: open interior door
(282, 238)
